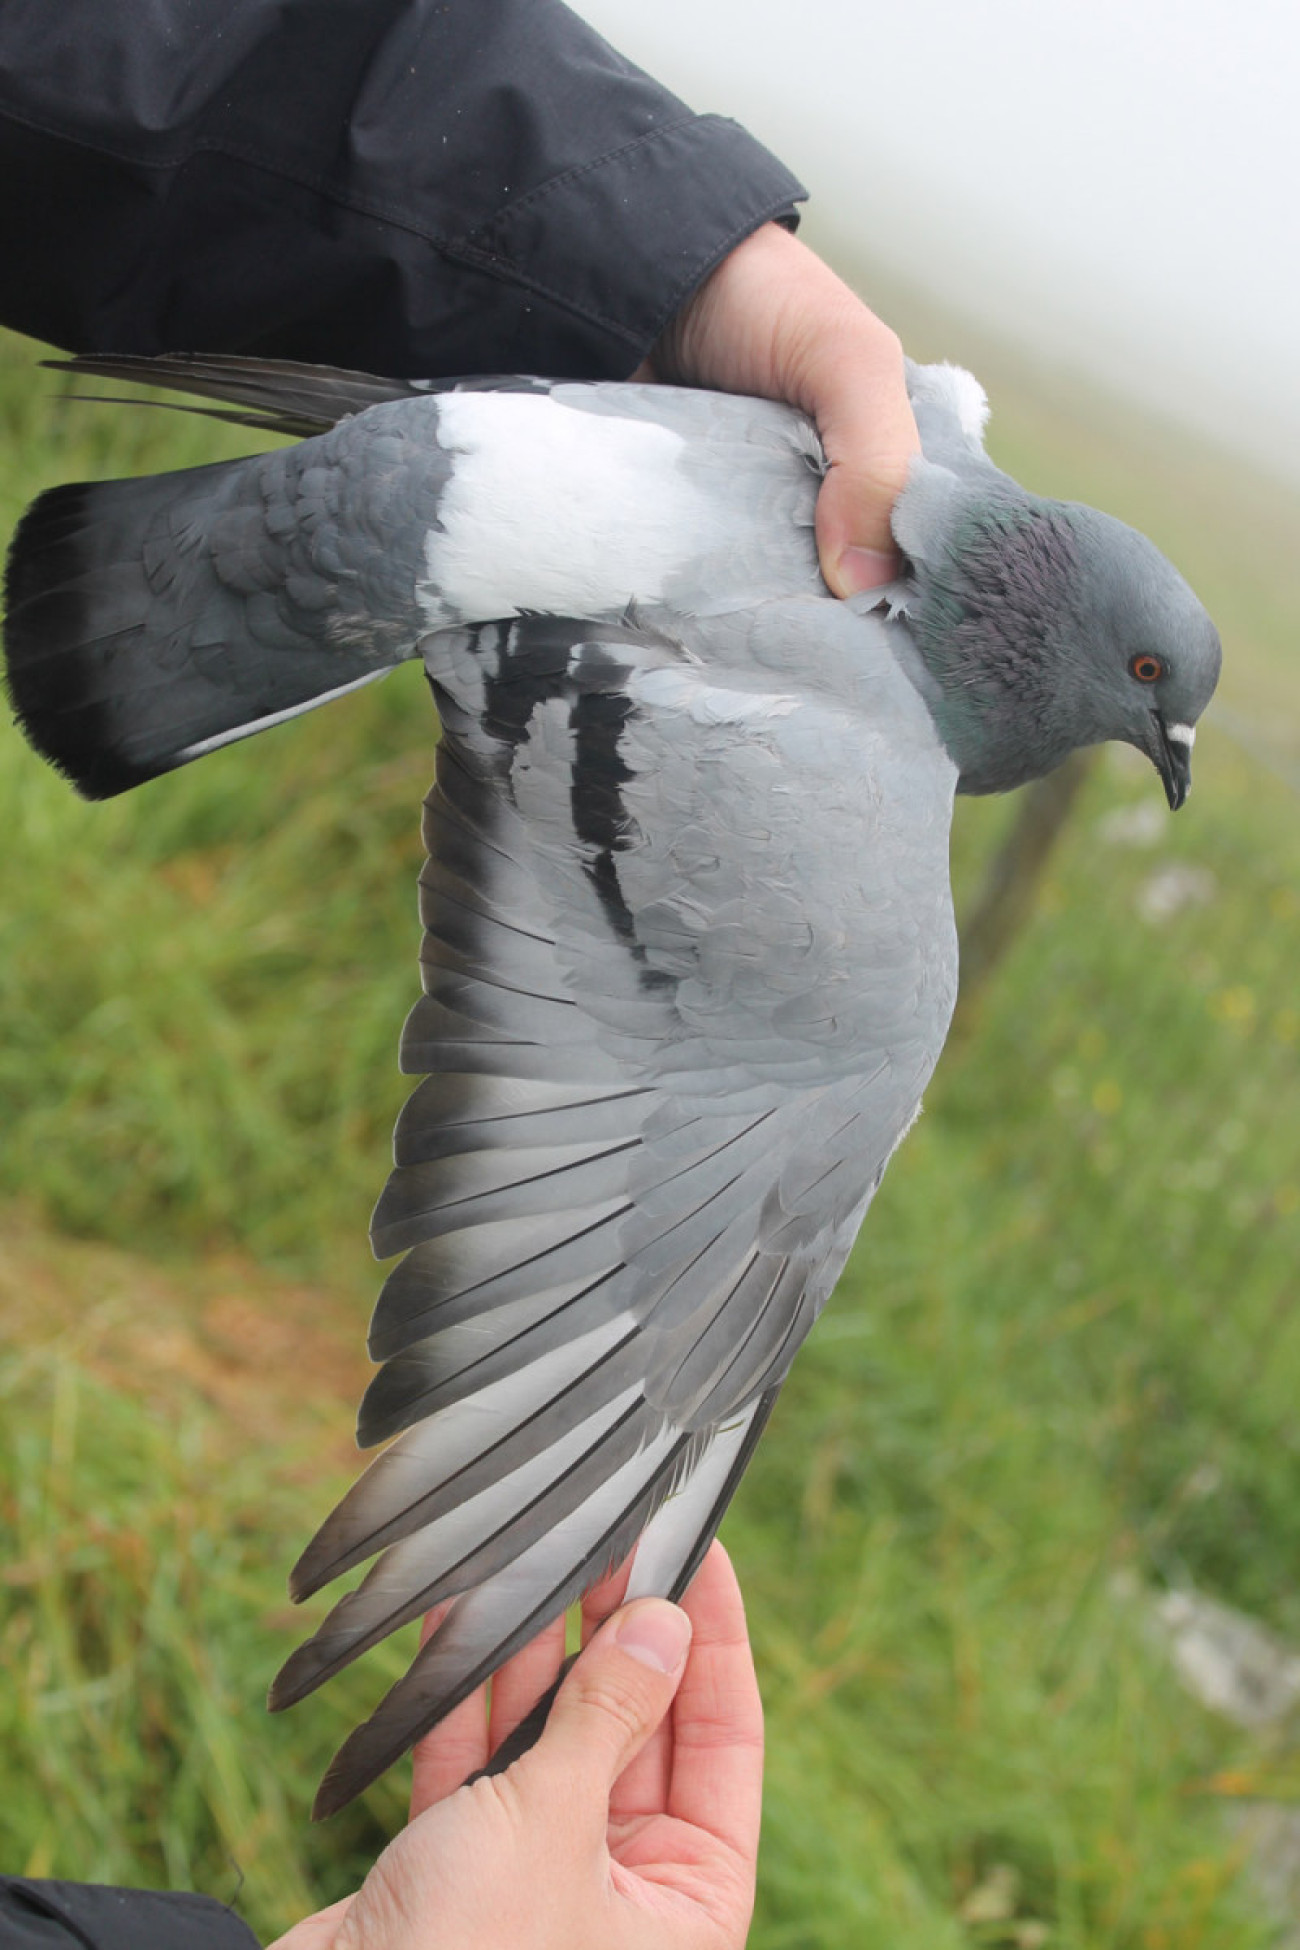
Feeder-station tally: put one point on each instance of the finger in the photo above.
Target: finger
(445, 1758)
(612, 1701)
(521, 1682)
(604, 1599)
(855, 545)
(773, 319)
(832, 356)
(458, 1745)
(717, 1778)
(856, 393)
(642, 1787)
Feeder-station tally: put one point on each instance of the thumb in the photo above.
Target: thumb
(616, 1695)
(870, 437)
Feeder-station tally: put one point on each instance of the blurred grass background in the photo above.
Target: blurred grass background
(1060, 1373)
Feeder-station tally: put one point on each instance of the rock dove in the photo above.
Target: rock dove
(689, 955)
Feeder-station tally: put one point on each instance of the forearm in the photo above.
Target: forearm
(389, 184)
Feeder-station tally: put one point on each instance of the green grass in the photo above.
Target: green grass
(142, 1609)
(1061, 1370)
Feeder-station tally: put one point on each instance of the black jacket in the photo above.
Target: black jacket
(415, 187)
(406, 186)
(85, 1916)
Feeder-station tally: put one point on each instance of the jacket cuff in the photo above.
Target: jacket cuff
(81, 1914)
(698, 187)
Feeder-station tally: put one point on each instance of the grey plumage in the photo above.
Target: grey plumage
(689, 955)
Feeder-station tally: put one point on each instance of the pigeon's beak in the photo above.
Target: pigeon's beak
(1171, 753)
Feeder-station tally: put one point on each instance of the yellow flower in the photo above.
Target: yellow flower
(1233, 1005)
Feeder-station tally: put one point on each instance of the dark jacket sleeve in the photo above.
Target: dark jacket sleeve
(407, 186)
(85, 1916)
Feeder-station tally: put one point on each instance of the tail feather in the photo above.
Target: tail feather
(119, 668)
(275, 395)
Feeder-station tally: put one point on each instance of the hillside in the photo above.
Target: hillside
(1060, 1373)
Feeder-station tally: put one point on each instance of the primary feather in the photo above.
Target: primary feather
(688, 955)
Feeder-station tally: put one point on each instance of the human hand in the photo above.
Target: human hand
(775, 321)
(631, 1825)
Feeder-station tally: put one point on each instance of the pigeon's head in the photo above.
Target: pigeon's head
(1149, 652)
(1047, 627)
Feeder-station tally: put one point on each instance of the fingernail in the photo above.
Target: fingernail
(659, 1635)
(865, 568)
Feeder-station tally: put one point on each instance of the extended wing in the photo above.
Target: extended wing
(688, 962)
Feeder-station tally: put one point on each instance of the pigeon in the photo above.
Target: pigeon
(689, 956)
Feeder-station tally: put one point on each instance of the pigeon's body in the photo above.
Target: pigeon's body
(689, 955)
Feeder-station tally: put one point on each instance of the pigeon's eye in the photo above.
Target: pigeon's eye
(1146, 668)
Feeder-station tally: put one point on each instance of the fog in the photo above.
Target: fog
(1113, 182)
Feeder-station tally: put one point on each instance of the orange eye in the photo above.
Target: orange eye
(1146, 668)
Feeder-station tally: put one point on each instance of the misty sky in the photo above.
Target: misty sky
(1116, 179)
